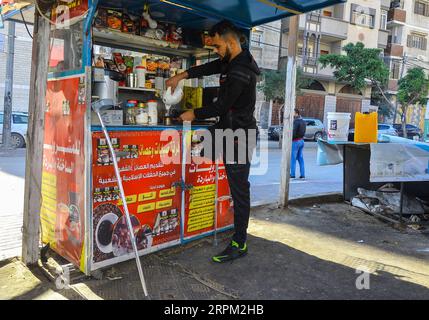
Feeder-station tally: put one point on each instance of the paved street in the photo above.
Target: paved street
(316, 251)
(12, 173)
(265, 189)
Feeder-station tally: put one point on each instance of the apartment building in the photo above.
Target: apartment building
(408, 24)
(328, 31)
(21, 67)
(264, 46)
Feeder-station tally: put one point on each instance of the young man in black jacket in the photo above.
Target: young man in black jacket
(235, 106)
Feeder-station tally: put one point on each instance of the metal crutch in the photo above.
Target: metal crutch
(97, 106)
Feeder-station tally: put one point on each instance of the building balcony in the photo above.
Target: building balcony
(385, 3)
(383, 36)
(395, 50)
(314, 69)
(332, 29)
(396, 15)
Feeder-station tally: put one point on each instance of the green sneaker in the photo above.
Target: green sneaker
(232, 251)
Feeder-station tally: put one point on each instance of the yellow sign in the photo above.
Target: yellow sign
(167, 193)
(201, 203)
(210, 187)
(201, 211)
(201, 224)
(49, 179)
(147, 196)
(146, 207)
(130, 199)
(164, 204)
(48, 210)
(202, 196)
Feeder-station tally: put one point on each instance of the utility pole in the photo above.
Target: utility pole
(36, 125)
(290, 99)
(404, 57)
(8, 90)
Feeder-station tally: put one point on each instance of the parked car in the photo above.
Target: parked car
(315, 130)
(383, 128)
(274, 132)
(411, 130)
(18, 128)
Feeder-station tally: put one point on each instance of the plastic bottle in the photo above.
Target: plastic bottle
(366, 127)
(141, 76)
(153, 112)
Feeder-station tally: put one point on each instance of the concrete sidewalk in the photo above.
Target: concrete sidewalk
(305, 252)
(12, 175)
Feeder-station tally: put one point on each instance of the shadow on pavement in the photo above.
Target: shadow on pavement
(272, 269)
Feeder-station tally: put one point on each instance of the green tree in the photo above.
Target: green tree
(274, 83)
(413, 89)
(359, 67)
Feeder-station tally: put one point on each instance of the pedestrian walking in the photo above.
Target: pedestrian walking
(299, 127)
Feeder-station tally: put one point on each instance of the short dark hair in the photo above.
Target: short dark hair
(225, 27)
(297, 111)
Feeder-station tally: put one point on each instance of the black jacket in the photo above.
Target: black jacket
(237, 94)
(299, 127)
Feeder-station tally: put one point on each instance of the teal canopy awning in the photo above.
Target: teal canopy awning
(202, 14)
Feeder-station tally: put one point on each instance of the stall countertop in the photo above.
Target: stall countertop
(146, 128)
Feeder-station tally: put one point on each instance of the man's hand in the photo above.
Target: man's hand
(174, 81)
(188, 116)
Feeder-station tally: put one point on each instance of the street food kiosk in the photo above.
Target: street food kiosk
(125, 50)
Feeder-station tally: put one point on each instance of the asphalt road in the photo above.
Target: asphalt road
(265, 188)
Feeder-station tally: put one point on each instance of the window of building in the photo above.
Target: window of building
(327, 13)
(397, 4)
(2, 42)
(417, 41)
(383, 20)
(396, 35)
(323, 52)
(362, 19)
(395, 69)
(257, 38)
(421, 8)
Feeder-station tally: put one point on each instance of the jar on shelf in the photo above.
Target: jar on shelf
(130, 114)
(153, 112)
(142, 115)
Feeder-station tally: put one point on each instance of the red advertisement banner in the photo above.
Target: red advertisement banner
(66, 10)
(63, 185)
(200, 199)
(154, 202)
